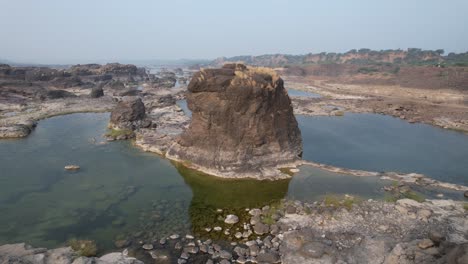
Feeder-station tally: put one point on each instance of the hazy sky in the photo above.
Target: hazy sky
(59, 31)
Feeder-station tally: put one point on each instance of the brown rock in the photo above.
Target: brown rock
(425, 243)
(127, 113)
(242, 122)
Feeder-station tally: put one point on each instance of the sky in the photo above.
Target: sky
(83, 31)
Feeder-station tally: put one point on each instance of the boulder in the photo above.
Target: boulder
(231, 219)
(96, 92)
(17, 130)
(242, 124)
(115, 85)
(58, 94)
(129, 114)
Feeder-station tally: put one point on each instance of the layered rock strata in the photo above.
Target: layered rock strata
(242, 125)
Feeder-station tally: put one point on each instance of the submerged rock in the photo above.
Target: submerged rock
(242, 124)
(72, 167)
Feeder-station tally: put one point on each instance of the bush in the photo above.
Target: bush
(367, 70)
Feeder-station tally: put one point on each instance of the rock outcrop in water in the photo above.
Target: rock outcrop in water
(128, 115)
(242, 124)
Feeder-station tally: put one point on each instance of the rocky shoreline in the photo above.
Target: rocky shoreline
(334, 230)
(442, 108)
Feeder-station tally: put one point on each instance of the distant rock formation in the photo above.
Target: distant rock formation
(242, 124)
(97, 92)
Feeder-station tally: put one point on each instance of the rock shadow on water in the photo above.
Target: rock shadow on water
(214, 198)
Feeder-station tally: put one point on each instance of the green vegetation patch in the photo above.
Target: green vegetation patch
(414, 196)
(85, 248)
(274, 208)
(119, 132)
(287, 171)
(367, 70)
(337, 201)
(339, 113)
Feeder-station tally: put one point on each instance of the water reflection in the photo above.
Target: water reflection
(211, 194)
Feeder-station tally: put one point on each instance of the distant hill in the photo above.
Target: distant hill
(410, 56)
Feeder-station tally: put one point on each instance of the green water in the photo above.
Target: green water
(122, 192)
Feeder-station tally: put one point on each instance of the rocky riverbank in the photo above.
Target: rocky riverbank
(444, 108)
(28, 94)
(26, 254)
(337, 229)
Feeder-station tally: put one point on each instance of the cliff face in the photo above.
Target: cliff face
(242, 124)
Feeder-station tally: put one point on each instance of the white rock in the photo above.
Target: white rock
(231, 219)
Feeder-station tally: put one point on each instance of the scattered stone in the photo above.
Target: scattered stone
(436, 237)
(175, 236)
(160, 255)
(191, 249)
(72, 167)
(178, 245)
(269, 257)
(203, 248)
(425, 243)
(465, 194)
(189, 237)
(217, 228)
(147, 246)
(254, 250)
(255, 212)
(291, 209)
(184, 255)
(261, 228)
(163, 241)
(225, 254)
(255, 220)
(241, 259)
(231, 219)
(122, 243)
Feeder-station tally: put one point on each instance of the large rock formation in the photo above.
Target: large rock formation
(242, 124)
(129, 114)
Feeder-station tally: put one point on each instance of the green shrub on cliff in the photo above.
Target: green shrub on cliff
(114, 133)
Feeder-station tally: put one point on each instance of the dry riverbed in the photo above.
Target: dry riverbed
(444, 108)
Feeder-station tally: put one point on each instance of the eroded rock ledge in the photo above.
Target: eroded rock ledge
(242, 124)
